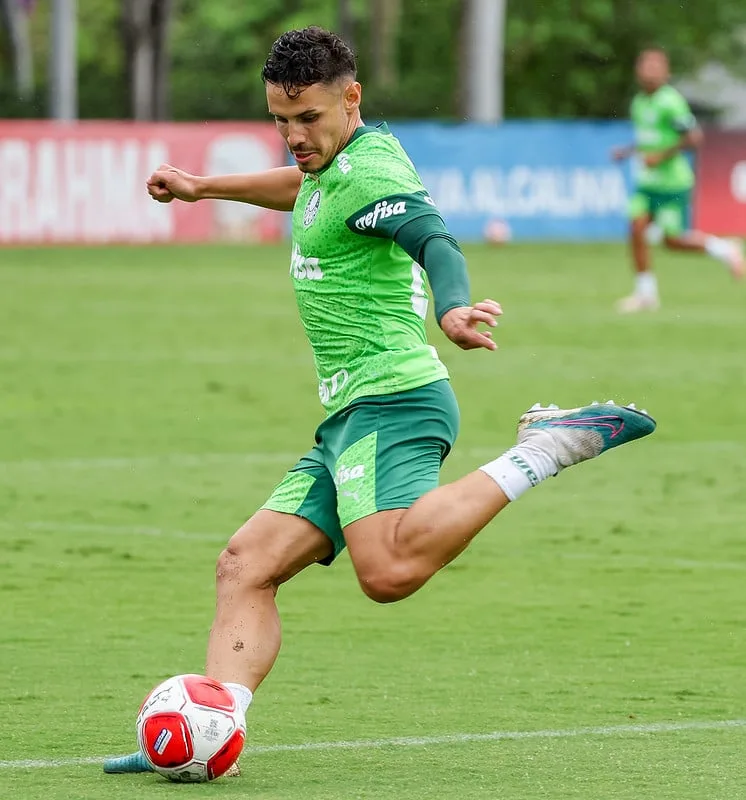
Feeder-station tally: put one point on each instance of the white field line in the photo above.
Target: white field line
(429, 741)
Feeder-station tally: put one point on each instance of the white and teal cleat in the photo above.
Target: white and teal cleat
(130, 764)
(135, 763)
(573, 435)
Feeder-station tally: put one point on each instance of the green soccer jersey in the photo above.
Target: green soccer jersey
(362, 300)
(659, 120)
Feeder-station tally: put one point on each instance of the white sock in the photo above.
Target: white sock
(646, 285)
(718, 248)
(243, 695)
(522, 467)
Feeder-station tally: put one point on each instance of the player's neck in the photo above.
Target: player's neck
(355, 123)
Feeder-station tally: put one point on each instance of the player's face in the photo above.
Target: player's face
(652, 70)
(317, 123)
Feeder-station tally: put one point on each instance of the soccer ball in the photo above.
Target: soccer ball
(497, 231)
(190, 729)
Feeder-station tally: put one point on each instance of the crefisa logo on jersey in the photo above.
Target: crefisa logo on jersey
(312, 209)
(383, 210)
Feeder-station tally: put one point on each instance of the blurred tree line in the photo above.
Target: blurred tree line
(200, 59)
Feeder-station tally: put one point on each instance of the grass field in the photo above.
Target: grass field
(151, 398)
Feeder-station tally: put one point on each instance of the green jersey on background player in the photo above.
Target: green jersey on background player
(660, 120)
(664, 129)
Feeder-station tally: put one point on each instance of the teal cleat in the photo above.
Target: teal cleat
(133, 763)
(573, 435)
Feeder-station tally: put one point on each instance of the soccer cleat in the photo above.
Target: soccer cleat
(636, 303)
(570, 436)
(133, 763)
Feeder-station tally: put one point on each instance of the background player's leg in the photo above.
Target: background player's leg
(264, 553)
(645, 294)
(724, 250)
(673, 219)
(639, 244)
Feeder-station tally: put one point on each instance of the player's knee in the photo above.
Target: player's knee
(245, 562)
(238, 568)
(391, 582)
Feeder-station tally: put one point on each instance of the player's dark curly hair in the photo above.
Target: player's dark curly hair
(313, 55)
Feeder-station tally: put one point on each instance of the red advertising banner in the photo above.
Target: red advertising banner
(85, 182)
(720, 197)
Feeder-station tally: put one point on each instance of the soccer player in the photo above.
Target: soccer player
(664, 129)
(365, 235)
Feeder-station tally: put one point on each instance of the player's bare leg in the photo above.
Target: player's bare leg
(726, 251)
(264, 553)
(395, 552)
(245, 637)
(639, 244)
(645, 295)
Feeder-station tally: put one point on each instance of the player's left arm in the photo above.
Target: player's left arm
(684, 123)
(427, 241)
(413, 222)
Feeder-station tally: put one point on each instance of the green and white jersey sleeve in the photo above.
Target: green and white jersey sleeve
(362, 300)
(659, 120)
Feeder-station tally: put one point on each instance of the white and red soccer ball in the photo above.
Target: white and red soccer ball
(190, 729)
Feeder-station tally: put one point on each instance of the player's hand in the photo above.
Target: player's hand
(460, 325)
(168, 183)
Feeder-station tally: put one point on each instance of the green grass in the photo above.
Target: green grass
(152, 397)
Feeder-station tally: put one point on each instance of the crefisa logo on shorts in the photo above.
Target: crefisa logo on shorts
(346, 474)
(312, 209)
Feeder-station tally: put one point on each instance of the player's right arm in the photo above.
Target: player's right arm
(274, 188)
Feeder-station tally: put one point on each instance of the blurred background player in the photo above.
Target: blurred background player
(664, 129)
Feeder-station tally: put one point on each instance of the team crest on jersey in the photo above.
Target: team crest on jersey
(312, 209)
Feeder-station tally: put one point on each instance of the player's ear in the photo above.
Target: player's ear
(352, 96)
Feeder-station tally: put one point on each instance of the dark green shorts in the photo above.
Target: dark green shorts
(378, 453)
(669, 210)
